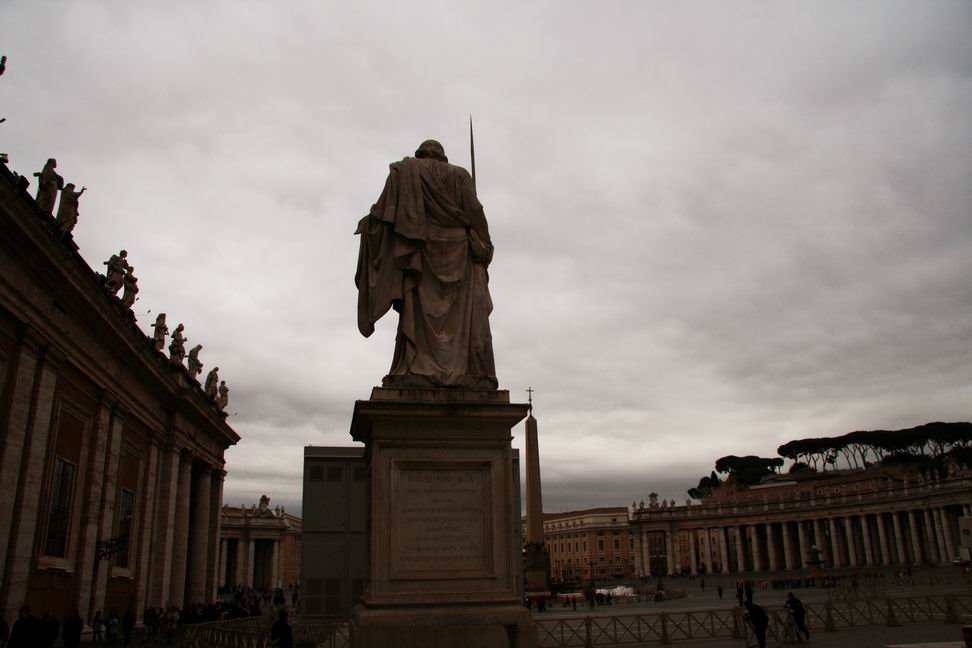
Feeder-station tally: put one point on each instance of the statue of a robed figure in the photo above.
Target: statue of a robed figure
(424, 251)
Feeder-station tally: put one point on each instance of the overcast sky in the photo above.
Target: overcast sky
(718, 226)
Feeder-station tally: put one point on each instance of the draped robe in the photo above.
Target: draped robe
(424, 251)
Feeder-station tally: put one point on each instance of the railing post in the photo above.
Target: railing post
(951, 614)
(588, 635)
(892, 620)
(664, 633)
(829, 624)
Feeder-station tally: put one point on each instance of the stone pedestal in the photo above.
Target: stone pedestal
(443, 528)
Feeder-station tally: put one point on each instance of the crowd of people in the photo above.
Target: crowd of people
(159, 625)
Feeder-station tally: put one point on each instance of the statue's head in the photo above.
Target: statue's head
(69, 187)
(51, 162)
(123, 253)
(431, 149)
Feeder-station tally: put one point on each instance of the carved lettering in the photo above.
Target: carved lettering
(443, 519)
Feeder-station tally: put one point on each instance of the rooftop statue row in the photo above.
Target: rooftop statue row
(48, 184)
(215, 389)
(120, 275)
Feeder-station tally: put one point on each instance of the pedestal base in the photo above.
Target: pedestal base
(445, 538)
(443, 627)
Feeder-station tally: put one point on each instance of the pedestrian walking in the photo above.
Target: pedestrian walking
(799, 614)
(281, 634)
(97, 627)
(759, 620)
(719, 592)
(71, 633)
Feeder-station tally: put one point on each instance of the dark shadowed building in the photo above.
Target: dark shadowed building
(111, 457)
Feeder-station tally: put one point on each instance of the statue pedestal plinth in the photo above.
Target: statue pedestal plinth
(445, 538)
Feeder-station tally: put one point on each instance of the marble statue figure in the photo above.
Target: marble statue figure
(131, 288)
(177, 345)
(67, 210)
(195, 367)
(212, 384)
(159, 333)
(424, 251)
(223, 398)
(48, 184)
(115, 272)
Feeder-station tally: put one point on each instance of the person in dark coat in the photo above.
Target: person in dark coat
(52, 629)
(281, 632)
(128, 625)
(28, 631)
(759, 620)
(795, 606)
(71, 633)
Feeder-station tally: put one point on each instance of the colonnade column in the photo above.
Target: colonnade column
(899, 539)
(223, 579)
(724, 548)
(754, 546)
(771, 547)
(180, 534)
(693, 549)
(274, 571)
(669, 556)
(940, 536)
(215, 532)
(148, 504)
(851, 541)
(883, 540)
(740, 556)
(931, 544)
(251, 559)
(835, 560)
(707, 548)
(644, 554)
(947, 532)
(165, 516)
(819, 539)
(787, 549)
(238, 578)
(802, 545)
(916, 551)
(866, 532)
(199, 537)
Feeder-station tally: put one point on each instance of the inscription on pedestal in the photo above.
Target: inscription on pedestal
(443, 522)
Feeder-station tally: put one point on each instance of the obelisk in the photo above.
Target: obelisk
(537, 558)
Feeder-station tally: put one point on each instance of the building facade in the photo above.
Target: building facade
(111, 457)
(878, 517)
(259, 547)
(594, 544)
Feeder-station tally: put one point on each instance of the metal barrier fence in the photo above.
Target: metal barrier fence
(254, 632)
(632, 629)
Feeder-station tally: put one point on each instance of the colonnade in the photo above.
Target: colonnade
(186, 529)
(241, 564)
(908, 536)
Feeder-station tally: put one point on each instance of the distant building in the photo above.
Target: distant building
(335, 544)
(259, 547)
(111, 457)
(592, 544)
(877, 517)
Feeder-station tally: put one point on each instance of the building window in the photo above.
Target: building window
(630, 542)
(59, 516)
(617, 544)
(600, 544)
(126, 508)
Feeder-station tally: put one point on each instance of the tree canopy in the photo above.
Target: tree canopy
(930, 446)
